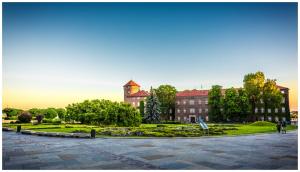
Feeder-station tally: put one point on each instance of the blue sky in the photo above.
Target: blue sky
(60, 53)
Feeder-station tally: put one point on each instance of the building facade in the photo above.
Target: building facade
(275, 114)
(190, 105)
(133, 94)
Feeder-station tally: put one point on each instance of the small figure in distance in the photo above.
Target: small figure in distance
(278, 126)
(283, 127)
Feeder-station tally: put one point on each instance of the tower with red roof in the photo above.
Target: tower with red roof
(133, 94)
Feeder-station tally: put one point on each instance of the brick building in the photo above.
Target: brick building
(133, 94)
(192, 104)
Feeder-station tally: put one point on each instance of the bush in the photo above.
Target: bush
(56, 121)
(103, 112)
(262, 123)
(69, 126)
(47, 120)
(160, 125)
(39, 118)
(24, 117)
(171, 122)
(50, 113)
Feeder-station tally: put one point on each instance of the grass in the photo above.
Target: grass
(155, 130)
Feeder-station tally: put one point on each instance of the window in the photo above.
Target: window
(192, 102)
(184, 102)
(178, 110)
(138, 98)
(269, 110)
(138, 103)
(283, 118)
(206, 110)
(184, 110)
(282, 91)
(179, 118)
(206, 102)
(256, 110)
(261, 101)
(276, 110)
(178, 102)
(283, 109)
(276, 118)
(206, 118)
(262, 110)
(200, 110)
(133, 103)
(184, 118)
(199, 102)
(221, 109)
(170, 118)
(283, 100)
(192, 110)
(170, 111)
(269, 118)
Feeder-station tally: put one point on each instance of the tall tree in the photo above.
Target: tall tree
(215, 103)
(142, 108)
(271, 96)
(253, 84)
(230, 104)
(166, 95)
(152, 108)
(243, 103)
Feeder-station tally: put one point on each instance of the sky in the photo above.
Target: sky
(55, 54)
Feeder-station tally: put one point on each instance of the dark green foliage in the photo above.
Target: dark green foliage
(50, 113)
(170, 122)
(166, 95)
(61, 112)
(24, 117)
(103, 112)
(152, 108)
(142, 108)
(10, 112)
(39, 118)
(215, 104)
(35, 111)
(230, 104)
(243, 103)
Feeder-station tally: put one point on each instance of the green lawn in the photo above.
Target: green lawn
(153, 130)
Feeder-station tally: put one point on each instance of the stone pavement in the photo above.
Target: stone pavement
(263, 151)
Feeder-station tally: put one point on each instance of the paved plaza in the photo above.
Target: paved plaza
(262, 151)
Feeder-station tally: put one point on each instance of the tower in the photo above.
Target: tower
(130, 88)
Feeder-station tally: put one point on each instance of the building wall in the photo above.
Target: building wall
(135, 101)
(187, 107)
(274, 114)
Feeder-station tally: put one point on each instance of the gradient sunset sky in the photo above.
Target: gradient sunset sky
(55, 54)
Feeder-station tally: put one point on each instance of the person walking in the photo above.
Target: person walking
(283, 127)
(278, 126)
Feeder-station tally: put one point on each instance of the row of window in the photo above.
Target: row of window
(270, 118)
(282, 101)
(269, 110)
(192, 102)
(188, 119)
(192, 110)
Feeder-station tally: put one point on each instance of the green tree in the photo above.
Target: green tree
(142, 108)
(61, 112)
(253, 84)
(230, 104)
(243, 103)
(10, 112)
(215, 103)
(50, 113)
(35, 111)
(152, 108)
(271, 96)
(166, 95)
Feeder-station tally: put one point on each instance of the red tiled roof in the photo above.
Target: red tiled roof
(141, 93)
(281, 87)
(131, 83)
(194, 92)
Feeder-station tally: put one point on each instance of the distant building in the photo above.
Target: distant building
(133, 94)
(192, 104)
